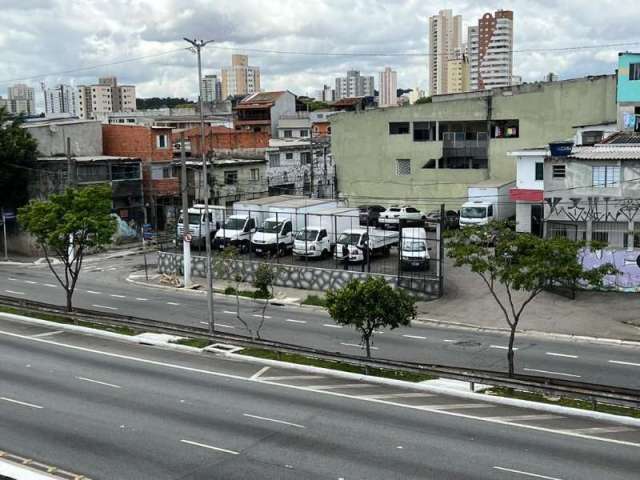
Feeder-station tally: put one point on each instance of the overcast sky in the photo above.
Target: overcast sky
(41, 38)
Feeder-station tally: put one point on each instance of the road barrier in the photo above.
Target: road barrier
(536, 384)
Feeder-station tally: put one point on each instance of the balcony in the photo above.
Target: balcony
(460, 145)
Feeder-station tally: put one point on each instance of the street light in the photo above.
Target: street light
(198, 45)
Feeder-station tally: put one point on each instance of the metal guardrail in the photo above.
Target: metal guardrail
(549, 386)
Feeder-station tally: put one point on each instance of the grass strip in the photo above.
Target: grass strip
(564, 402)
(334, 365)
(193, 342)
(61, 318)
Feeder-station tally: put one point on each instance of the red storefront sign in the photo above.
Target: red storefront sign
(525, 195)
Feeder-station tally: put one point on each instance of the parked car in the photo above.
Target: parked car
(405, 215)
(451, 219)
(369, 215)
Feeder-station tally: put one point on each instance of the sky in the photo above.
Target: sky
(59, 41)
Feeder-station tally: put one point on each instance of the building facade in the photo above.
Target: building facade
(239, 78)
(99, 100)
(354, 85)
(428, 154)
(388, 85)
(211, 89)
(490, 45)
(629, 91)
(529, 190)
(261, 112)
(21, 100)
(60, 100)
(458, 73)
(445, 38)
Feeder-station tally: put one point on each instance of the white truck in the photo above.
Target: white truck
(284, 219)
(197, 222)
(354, 241)
(319, 237)
(487, 201)
(414, 250)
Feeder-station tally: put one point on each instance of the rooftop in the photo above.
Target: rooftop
(623, 138)
(607, 152)
(90, 158)
(44, 122)
(260, 99)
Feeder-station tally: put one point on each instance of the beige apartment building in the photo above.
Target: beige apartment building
(97, 101)
(445, 39)
(388, 86)
(458, 73)
(240, 78)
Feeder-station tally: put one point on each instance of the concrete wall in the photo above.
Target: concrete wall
(365, 153)
(86, 138)
(292, 276)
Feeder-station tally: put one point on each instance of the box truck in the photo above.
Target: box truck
(319, 237)
(487, 201)
(196, 221)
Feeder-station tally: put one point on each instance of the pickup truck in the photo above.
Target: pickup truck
(393, 216)
(357, 239)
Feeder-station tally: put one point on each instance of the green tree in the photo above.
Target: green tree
(370, 305)
(517, 267)
(422, 100)
(68, 224)
(18, 153)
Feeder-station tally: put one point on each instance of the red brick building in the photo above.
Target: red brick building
(225, 140)
(154, 146)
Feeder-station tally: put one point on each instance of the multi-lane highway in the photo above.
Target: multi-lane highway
(103, 287)
(112, 410)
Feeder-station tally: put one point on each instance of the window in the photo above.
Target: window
(231, 177)
(605, 176)
(600, 236)
(592, 137)
(159, 172)
(398, 128)
(289, 156)
(539, 171)
(304, 133)
(274, 159)
(288, 134)
(505, 129)
(305, 158)
(634, 71)
(403, 167)
(431, 163)
(558, 171)
(254, 174)
(424, 131)
(162, 141)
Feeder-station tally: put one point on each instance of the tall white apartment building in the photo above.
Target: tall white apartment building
(490, 44)
(445, 39)
(60, 100)
(388, 85)
(354, 85)
(211, 89)
(95, 101)
(21, 99)
(240, 78)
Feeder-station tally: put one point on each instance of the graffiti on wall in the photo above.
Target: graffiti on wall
(597, 209)
(626, 262)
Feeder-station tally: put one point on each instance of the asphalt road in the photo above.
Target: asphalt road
(102, 286)
(110, 410)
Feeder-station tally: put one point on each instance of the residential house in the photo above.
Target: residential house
(628, 91)
(260, 112)
(529, 190)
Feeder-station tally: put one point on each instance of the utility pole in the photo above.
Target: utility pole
(186, 233)
(71, 182)
(198, 45)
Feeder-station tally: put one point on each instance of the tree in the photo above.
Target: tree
(422, 100)
(18, 152)
(524, 265)
(67, 225)
(369, 306)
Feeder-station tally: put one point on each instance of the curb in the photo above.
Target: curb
(627, 421)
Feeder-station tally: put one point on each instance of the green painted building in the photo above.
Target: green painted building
(428, 154)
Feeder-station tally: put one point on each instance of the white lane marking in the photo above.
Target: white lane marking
(459, 406)
(551, 373)
(50, 285)
(30, 282)
(344, 385)
(356, 345)
(85, 379)
(273, 420)
(295, 321)
(329, 325)
(117, 296)
(142, 299)
(449, 341)
(94, 292)
(398, 395)
(104, 306)
(524, 418)
(13, 279)
(219, 325)
(14, 292)
(564, 355)
(259, 372)
(603, 429)
(291, 377)
(210, 447)
(528, 474)
(302, 388)
(618, 362)
(417, 337)
(173, 303)
(18, 402)
(501, 347)
(260, 316)
(228, 312)
(48, 334)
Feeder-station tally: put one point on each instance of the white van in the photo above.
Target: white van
(196, 223)
(414, 251)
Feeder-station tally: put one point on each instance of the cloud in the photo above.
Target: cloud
(42, 37)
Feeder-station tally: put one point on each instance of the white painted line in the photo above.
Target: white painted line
(13, 279)
(48, 334)
(502, 347)
(329, 325)
(18, 402)
(14, 292)
(449, 341)
(260, 316)
(104, 306)
(94, 292)
(344, 385)
(527, 474)
(564, 355)
(524, 418)
(618, 362)
(30, 282)
(228, 312)
(356, 345)
(417, 337)
(552, 373)
(113, 268)
(603, 430)
(173, 303)
(273, 420)
(291, 377)
(259, 372)
(459, 406)
(219, 325)
(398, 395)
(142, 299)
(210, 447)
(50, 285)
(85, 379)
(117, 296)
(295, 321)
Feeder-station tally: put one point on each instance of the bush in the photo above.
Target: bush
(265, 277)
(229, 291)
(315, 300)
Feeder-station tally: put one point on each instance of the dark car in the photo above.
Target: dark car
(369, 214)
(451, 220)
